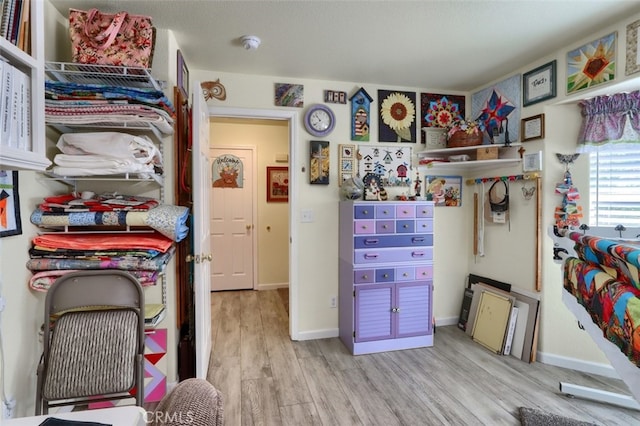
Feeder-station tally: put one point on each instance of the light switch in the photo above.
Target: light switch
(306, 216)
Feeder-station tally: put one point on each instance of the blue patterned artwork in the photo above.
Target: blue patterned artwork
(498, 108)
(360, 116)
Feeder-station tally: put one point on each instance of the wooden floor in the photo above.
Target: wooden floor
(267, 379)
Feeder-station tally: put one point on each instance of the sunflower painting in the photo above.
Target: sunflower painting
(397, 116)
(592, 64)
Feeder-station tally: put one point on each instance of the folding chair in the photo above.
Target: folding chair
(93, 340)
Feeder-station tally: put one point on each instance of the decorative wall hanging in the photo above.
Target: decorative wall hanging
(10, 221)
(213, 90)
(592, 64)
(532, 162)
(390, 163)
(532, 127)
(397, 116)
(633, 61)
(360, 115)
(497, 107)
(569, 213)
(348, 162)
(183, 75)
(335, 97)
(227, 172)
(444, 190)
(539, 84)
(277, 184)
(440, 111)
(289, 95)
(373, 188)
(319, 163)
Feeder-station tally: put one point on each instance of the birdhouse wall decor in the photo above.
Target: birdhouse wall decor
(360, 115)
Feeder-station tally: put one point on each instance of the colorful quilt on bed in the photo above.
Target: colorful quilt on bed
(604, 279)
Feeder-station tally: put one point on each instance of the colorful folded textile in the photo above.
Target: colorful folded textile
(131, 241)
(42, 281)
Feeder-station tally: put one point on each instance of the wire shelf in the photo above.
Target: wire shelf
(100, 74)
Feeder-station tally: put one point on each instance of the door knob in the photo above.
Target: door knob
(189, 258)
(248, 227)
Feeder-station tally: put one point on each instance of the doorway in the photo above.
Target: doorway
(291, 120)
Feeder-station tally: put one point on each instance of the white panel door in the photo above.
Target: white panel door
(201, 240)
(232, 226)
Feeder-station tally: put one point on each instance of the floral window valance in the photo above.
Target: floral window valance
(614, 118)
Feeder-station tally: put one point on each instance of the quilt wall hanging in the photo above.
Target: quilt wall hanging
(391, 164)
(397, 116)
(498, 108)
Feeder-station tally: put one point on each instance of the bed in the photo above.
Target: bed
(601, 287)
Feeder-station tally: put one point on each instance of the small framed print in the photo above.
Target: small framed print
(532, 162)
(532, 128)
(539, 84)
(183, 76)
(277, 184)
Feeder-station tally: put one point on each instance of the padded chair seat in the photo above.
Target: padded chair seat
(194, 402)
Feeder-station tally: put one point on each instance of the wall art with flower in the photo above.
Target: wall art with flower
(440, 110)
(397, 116)
(444, 191)
(592, 64)
(498, 109)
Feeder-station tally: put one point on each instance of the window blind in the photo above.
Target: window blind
(614, 185)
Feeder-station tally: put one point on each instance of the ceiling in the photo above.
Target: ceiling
(449, 45)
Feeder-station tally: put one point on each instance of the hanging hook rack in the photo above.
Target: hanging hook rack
(510, 178)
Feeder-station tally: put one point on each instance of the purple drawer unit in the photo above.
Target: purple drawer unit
(385, 212)
(405, 226)
(424, 272)
(385, 227)
(364, 226)
(364, 256)
(364, 212)
(405, 210)
(424, 225)
(385, 275)
(424, 211)
(363, 276)
(374, 241)
(407, 273)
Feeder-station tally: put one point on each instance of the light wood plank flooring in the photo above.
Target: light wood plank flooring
(267, 379)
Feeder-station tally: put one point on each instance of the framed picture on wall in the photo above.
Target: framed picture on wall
(183, 76)
(539, 84)
(10, 222)
(277, 184)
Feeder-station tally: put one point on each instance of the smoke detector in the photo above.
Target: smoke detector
(250, 42)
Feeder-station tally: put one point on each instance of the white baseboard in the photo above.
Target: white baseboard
(440, 322)
(318, 334)
(272, 286)
(577, 365)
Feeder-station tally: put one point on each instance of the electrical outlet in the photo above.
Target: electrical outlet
(8, 408)
(332, 302)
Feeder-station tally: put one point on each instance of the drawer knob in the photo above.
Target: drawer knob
(364, 226)
(385, 276)
(405, 275)
(405, 211)
(405, 226)
(364, 277)
(385, 226)
(365, 211)
(385, 211)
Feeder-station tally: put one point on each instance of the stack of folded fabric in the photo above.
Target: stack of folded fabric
(81, 104)
(144, 256)
(106, 153)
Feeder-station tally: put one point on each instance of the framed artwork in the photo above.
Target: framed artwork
(532, 162)
(397, 116)
(289, 95)
(335, 97)
(439, 111)
(277, 184)
(633, 61)
(498, 108)
(592, 64)
(539, 84)
(227, 171)
(319, 163)
(391, 163)
(532, 128)
(183, 75)
(348, 162)
(444, 191)
(10, 221)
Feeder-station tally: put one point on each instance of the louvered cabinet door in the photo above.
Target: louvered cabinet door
(373, 312)
(413, 309)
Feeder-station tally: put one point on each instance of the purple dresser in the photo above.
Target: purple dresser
(386, 275)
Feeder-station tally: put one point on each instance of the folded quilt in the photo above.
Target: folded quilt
(157, 263)
(99, 203)
(111, 145)
(42, 281)
(169, 220)
(127, 241)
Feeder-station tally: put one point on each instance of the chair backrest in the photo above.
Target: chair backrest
(93, 338)
(194, 402)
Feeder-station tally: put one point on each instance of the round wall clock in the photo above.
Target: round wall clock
(319, 120)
